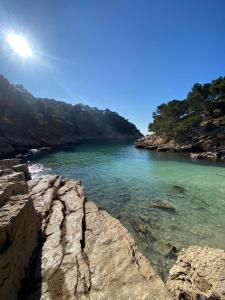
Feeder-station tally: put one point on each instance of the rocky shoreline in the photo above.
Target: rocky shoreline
(54, 244)
(32, 149)
(199, 146)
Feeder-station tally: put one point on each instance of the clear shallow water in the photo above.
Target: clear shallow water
(125, 181)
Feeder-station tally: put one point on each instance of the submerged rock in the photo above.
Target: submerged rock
(163, 206)
(199, 273)
(139, 227)
(179, 188)
(167, 249)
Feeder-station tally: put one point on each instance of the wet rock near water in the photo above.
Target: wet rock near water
(179, 188)
(143, 231)
(167, 249)
(36, 151)
(203, 155)
(201, 143)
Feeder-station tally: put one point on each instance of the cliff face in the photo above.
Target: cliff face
(57, 245)
(29, 122)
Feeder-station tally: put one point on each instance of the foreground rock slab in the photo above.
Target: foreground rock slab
(86, 253)
(199, 274)
(18, 239)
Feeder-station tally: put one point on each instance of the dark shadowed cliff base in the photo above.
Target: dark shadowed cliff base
(27, 122)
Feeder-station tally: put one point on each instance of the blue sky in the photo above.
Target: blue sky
(128, 56)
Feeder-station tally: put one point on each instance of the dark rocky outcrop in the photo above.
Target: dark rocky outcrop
(27, 122)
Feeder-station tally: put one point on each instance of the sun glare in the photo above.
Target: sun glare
(19, 45)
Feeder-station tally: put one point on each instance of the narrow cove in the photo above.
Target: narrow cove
(133, 184)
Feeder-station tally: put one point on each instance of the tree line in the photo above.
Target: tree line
(204, 105)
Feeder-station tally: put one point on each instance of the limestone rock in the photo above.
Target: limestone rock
(199, 273)
(9, 163)
(117, 269)
(42, 192)
(8, 189)
(18, 238)
(18, 227)
(22, 168)
(87, 254)
(15, 176)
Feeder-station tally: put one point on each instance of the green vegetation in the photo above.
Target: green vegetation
(204, 105)
(26, 121)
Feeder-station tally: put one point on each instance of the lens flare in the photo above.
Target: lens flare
(19, 45)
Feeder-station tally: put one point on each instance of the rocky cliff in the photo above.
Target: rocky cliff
(194, 124)
(54, 244)
(28, 122)
(200, 143)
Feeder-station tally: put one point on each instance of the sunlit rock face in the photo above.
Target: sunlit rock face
(199, 273)
(86, 252)
(18, 227)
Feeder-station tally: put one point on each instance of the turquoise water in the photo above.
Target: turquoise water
(125, 181)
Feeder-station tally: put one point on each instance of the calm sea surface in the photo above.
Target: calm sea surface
(127, 181)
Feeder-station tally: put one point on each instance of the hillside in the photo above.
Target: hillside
(194, 124)
(29, 122)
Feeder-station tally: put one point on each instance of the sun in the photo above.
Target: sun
(19, 45)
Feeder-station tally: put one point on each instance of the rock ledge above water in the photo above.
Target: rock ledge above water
(54, 244)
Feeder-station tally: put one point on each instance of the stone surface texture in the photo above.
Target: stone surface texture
(18, 230)
(198, 274)
(86, 254)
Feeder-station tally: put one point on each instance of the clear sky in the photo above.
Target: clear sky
(125, 55)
